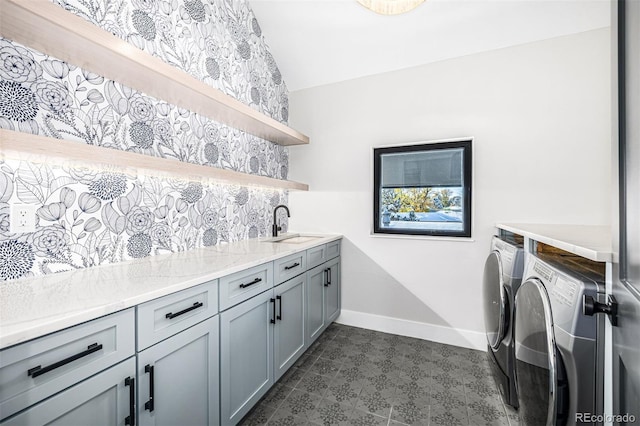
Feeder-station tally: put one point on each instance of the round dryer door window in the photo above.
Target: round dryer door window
(495, 300)
(537, 360)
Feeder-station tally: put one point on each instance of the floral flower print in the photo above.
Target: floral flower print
(161, 233)
(52, 212)
(141, 134)
(141, 109)
(109, 186)
(17, 102)
(212, 67)
(144, 24)
(192, 193)
(53, 96)
(244, 50)
(16, 259)
(89, 203)
(209, 218)
(255, 27)
(139, 245)
(4, 219)
(242, 197)
(49, 240)
(211, 152)
(209, 237)
(17, 64)
(195, 9)
(139, 220)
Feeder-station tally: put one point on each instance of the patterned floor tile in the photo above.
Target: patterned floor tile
(314, 383)
(484, 412)
(374, 403)
(325, 367)
(411, 413)
(354, 376)
(292, 377)
(300, 404)
(440, 417)
(343, 392)
(276, 395)
(331, 413)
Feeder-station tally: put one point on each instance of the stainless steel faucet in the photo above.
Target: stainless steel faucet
(275, 228)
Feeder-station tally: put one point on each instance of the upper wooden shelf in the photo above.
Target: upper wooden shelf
(40, 149)
(49, 28)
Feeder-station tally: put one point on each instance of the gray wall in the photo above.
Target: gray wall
(540, 116)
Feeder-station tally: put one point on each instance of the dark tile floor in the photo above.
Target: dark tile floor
(354, 376)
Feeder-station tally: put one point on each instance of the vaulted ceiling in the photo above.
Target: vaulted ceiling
(317, 42)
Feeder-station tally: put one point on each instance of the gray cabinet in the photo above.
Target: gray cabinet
(323, 297)
(35, 370)
(178, 378)
(104, 399)
(289, 331)
(246, 362)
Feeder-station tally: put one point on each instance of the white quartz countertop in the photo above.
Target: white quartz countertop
(590, 241)
(33, 307)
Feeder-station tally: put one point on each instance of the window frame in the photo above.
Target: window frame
(467, 146)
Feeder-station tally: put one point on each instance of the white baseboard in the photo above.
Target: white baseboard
(435, 333)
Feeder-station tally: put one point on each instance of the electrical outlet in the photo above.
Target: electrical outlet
(23, 218)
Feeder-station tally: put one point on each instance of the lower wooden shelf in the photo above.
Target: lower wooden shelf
(40, 149)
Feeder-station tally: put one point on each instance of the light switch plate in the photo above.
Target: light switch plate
(23, 218)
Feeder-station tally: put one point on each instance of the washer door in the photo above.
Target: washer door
(536, 356)
(496, 307)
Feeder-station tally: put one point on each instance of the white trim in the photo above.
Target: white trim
(436, 333)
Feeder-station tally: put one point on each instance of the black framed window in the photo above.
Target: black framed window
(423, 189)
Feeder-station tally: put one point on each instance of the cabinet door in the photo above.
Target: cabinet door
(178, 378)
(104, 399)
(316, 278)
(332, 291)
(246, 363)
(289, 332)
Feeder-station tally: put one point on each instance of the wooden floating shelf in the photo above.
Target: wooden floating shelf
(49, 28)
(40, 149)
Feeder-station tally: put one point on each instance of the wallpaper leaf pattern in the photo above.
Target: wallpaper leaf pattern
(88, 217)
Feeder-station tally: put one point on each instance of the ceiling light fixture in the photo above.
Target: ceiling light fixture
(390, 7)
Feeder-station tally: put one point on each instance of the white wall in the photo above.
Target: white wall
(540, 116)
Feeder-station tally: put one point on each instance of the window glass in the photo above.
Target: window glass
(423, 189)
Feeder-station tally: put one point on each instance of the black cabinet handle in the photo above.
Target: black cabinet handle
(273, 320)
(39, 370)
(286, 268)
(131, 418)
(149, 405)
(325, 277)
(329, 275)
(256, 281)
(184, 311)
(280, 310)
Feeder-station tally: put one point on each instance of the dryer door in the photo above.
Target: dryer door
(496, 307)
(536, 362)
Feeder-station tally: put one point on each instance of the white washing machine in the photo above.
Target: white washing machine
(502, 276)
(559, 349)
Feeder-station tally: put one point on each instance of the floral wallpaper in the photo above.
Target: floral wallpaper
(88, 217)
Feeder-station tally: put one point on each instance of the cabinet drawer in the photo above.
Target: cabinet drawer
(168, 315)
(245, 284)
(333, 249)
(290, 266)
(37, 369)
(316, 256)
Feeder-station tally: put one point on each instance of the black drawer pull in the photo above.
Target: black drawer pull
(39, 370)
(149, 405)
(279, 310)
(286, 268)
(131, 418)
(325, 277)
(256, 281)
(184, 311)
(329, 280)
(273, 319)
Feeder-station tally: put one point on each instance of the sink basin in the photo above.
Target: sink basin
(291, 239)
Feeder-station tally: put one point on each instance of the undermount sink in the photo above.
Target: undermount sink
(291, 239)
